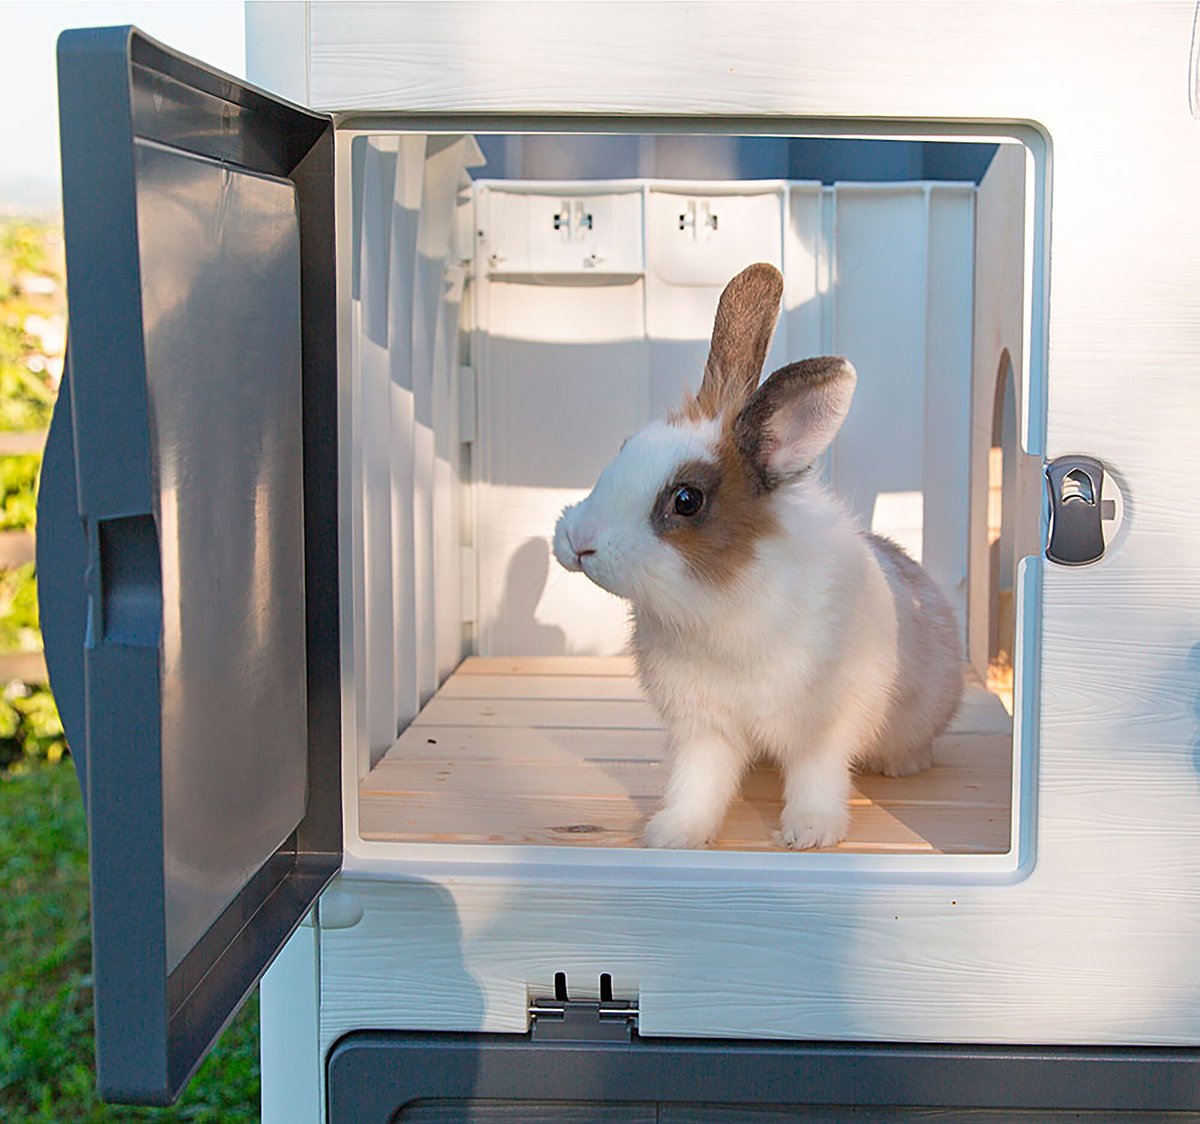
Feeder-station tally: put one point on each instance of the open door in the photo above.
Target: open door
(188, 561)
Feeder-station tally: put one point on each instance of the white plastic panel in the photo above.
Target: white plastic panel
(902, 307)
(805, 327)
(562, 379)
(570, 230)
(945, 480)
(880, 262)
(406, 495)
(1118, 812)
(289, 1014)
(700, 238)
(999, 344)
(697, 237)
(569, 366)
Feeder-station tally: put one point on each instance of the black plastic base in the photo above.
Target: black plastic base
(380, 1077)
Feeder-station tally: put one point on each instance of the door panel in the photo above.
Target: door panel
(201, 423)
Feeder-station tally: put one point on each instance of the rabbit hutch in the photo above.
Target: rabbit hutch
(344, 341)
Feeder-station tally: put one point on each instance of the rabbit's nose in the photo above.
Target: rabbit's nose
(581, 542)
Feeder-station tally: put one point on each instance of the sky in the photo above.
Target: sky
(211, 30)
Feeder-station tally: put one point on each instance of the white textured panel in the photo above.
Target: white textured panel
(574, 230)
(277, 47)
(689, 260)
(448, 483)
(289, 1004)
(562, 380)
(880, 285)
(999, 331)
(819, 59)
(806, 289)
(1097, 942)
(435, 361)
(406, 334)
(374, 342)
(700, 237)
(899, 306)
(947, 467)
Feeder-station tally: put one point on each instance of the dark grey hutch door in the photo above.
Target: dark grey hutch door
(188, 553)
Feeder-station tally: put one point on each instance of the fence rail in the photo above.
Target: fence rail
(14, 444)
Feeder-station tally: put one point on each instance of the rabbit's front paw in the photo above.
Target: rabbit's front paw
(803, 829)
(669, 829)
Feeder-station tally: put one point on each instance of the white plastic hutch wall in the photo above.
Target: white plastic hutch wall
(1090, 937)
(1075, 262)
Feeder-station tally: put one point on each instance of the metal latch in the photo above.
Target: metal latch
(573, 220)
(1079, 510)
(699, 218)
(583, 1020)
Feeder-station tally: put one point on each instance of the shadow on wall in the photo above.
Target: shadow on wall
(673, 156)
(448, 1000)
(525, 582)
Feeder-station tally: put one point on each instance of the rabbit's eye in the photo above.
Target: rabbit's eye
(688, 500)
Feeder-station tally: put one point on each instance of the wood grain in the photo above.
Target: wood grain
(546, 764)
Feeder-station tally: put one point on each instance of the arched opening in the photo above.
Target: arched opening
(1003, 463)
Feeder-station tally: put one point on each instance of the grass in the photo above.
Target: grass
(46, 1062)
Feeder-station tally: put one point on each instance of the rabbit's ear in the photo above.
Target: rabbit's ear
(746, 315)
(791, 419)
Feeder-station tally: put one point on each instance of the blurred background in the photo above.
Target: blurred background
(46, 1064)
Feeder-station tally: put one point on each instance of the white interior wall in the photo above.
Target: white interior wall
(571, 357)
(999, 330)
(880, 296)
(405, 307)
(949, 308)
(562, 371)
(695, 242)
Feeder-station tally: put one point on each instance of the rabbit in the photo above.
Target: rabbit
(765, 621)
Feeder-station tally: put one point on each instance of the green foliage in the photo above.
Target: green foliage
(19, 610)
(31, 297)
(18, 491)
(30, 728)
(46, 1064)
(26, 402)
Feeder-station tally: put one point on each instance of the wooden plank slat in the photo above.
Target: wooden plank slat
(546, 665)
(16, 548)
(983, 750)
(593, 687)
(582, 714)
(523, 751)
(20, 442)
(27, 666)
(544, 744)
(981, 712)
(611, 821)
(644, 778)
(512, 744)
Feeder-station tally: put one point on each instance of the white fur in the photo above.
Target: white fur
(630, 560)
(794, 662)
(800, 659)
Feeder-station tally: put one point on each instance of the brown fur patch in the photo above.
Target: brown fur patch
(741, 335)
(718, 542)
(818, 392)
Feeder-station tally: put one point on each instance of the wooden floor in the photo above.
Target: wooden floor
(565, 750)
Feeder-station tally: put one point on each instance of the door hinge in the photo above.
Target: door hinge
(583, 1020)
